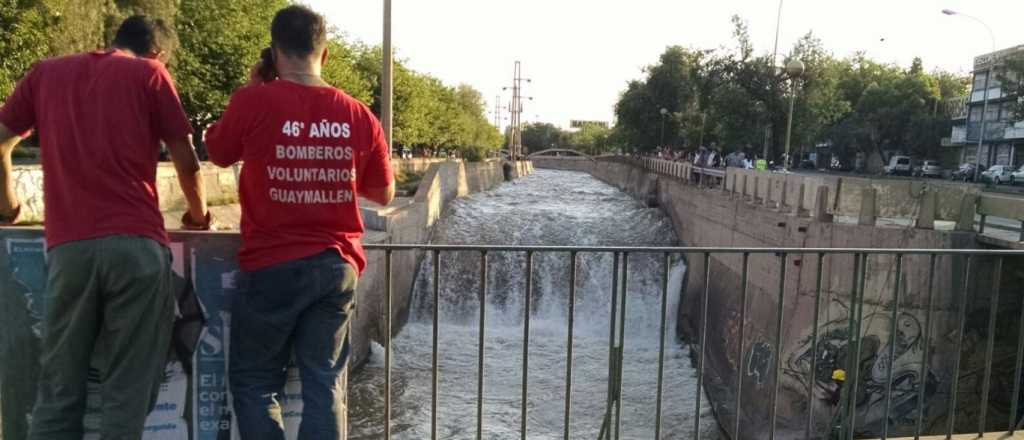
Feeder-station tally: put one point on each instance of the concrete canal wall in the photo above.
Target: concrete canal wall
(193, 403)
(713, 217)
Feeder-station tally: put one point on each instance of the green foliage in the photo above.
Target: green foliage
(26, 25)
(220, 40)
(731, 98)
(1011, 75)
(341, 71)
(540, 136)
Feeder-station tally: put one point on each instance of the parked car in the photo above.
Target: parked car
(997, 174)
(1017, 176)
(928, 168)
(807, 164)
(898, 165)
(965, 173)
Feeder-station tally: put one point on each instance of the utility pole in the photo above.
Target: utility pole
(497, 112)
(515, 108)
(386, 88)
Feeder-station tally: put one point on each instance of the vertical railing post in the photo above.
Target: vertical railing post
(526, 341)
(923, 374)
(893, 328)
(480, 348)
(606, 426)
(1018, 374)
(991, 345)
(955, 381)
(858, 303)
(387, 345)
(622, 340)
(778, 345)
(433, 354)
(568, 343)
(739, 344)
(813, 379)
(703, 344)
(661, 342)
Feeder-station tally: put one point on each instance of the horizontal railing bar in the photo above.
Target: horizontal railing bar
(693, 249)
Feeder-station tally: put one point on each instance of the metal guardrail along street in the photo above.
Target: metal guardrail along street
(844, 424)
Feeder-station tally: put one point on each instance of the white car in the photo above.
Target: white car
(1017, 176)
(997, 174)
(898, 165)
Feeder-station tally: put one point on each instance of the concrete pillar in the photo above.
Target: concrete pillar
(757, 186)
(867, 208)
(781, 202)
(821, 205)
(767, 191)
(968, 207)
(926, 213)
(798, 206)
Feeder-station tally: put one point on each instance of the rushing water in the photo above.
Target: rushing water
(546, 208)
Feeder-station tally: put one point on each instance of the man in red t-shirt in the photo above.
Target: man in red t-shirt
(101, 117)
(309, 151)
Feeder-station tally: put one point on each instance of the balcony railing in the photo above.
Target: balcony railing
(947, 336)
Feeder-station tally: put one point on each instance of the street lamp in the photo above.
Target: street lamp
(664, 114)
(988, 77)
(387, 80)
(794, 70)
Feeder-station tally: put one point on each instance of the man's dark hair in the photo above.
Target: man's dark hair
(143, 36)
(298, 31)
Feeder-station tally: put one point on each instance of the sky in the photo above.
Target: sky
(580, 54)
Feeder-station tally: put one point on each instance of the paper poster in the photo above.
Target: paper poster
(212, 413)
(28, 267)
(214, 274)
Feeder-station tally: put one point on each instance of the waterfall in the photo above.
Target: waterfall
(553, 208)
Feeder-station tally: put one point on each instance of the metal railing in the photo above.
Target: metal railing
(846, 410)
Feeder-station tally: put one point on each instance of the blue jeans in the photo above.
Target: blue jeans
(299, 307)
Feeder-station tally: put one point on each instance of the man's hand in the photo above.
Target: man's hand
(190, 224)
(10, 208)
(9, 217)
(190, 177)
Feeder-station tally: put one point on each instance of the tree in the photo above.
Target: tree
(539, 136)
(220, 40)
(1011, 76)
(340, 70)
(26, 28)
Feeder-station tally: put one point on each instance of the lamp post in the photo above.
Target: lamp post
(386, 87)
(775, 53)
(988, 77)
(794, 69)
(664, 114)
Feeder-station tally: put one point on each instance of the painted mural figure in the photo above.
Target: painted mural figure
(872, 369)
(100, 118)
(309, 151)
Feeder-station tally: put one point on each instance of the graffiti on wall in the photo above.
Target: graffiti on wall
(903, 352)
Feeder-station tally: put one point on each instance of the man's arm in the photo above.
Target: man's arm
(190, 177)
(382, 195)
(9, 205)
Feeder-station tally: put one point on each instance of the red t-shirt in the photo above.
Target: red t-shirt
(307, 153)
(100, 118)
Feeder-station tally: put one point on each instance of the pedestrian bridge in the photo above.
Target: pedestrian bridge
(559, 152)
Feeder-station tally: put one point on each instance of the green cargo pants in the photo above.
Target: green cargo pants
(112, 296)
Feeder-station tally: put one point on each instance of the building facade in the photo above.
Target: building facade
(1003, 135)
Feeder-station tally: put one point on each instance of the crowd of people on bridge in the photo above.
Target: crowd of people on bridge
(706, 157)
